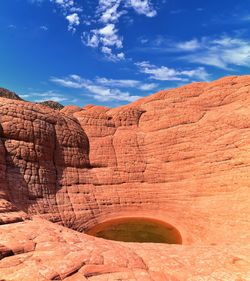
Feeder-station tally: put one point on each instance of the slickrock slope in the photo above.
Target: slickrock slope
(181, 156)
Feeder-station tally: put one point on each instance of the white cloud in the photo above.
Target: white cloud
(117, 82)
(109, 37)
(76, 77)
(68, 6)
(65, 4)
(107, 14)
(143, 7)
(98, 89)
(108, 11)
(191, 45)
(120, 56)
(106, 38)
(148, 87)
(44, 96)
(222, 52)
(106, 94)
(198, 73)
(52, 98)
(73, 20)
(105, 33)
(71, 82)
(70, 11)
(106, 50)
(90, 40)
(123, 83)
(25, 96)
(112, 10)
(164, 73)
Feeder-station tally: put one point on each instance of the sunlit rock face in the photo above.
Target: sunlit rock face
(180, 156)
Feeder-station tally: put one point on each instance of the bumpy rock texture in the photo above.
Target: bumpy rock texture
(181, 156)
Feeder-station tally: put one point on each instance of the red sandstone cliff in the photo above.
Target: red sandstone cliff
(181, 156)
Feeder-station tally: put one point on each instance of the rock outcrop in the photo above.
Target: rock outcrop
(52, 104)
(180, 156)
(4, 93)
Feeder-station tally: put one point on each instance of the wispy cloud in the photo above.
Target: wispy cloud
(25, 96)
(12, 26)
(44, 28)
(123, 83)
(97, 91)
(245, 18)
(164, 73)
(222, 52)
(52, 98)
(175, 12)
(191, 45)
(44, 96)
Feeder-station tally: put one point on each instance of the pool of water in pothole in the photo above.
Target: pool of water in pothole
(141, 230)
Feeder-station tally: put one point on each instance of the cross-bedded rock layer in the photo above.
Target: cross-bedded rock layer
(181, 156)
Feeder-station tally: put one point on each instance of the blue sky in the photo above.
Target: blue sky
(111, 53)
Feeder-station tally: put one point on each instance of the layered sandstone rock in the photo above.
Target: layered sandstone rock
(181, 156)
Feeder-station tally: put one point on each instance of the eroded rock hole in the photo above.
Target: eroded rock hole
(137, 230)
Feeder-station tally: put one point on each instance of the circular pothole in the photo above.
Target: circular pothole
(143, 230)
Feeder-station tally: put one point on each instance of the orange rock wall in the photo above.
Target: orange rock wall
(181, 156)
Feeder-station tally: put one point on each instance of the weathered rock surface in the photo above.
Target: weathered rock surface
(181, 156)
(52, 104)
(4, 93)
(70, 109)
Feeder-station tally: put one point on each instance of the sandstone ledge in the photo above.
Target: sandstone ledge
(45, 251)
